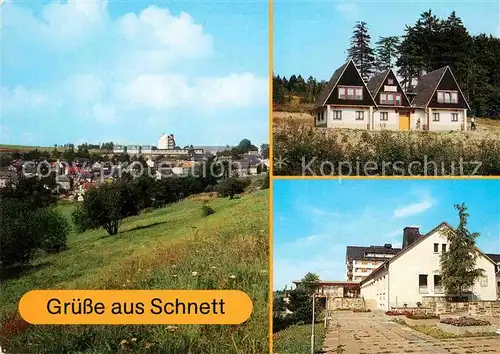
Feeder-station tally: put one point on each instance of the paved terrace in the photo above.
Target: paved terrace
(369, 333)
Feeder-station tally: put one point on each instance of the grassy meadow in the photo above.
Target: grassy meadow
(296, 339)
(174, 247)
(297, 142)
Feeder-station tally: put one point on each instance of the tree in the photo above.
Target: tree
(310, 283)
(458, 264)
(386, 52)
(107, 205)
(26, 229)
(360, 51)
(264, 150)
(230, 187)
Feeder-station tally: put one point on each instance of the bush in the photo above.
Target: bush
(231, 186)
(207, 210)
(265, 182)
(465, 321)
(19, 233)
(25, 230)
(55, 230)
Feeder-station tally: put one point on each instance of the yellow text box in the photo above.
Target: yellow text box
(135, 307)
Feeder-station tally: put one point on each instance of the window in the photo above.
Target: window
(438, 289)
(384, 115)
(337, 115)
(360, 115)
(443, 247)
(350, 93)
(454, 117)
(393, 99)
(422, 284)
(484, 281)
(435, 117)
(447, 96)
(436, 247)
(390, 81)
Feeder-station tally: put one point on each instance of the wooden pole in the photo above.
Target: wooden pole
(312, 328)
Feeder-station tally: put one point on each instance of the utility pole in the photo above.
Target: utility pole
(312, 328)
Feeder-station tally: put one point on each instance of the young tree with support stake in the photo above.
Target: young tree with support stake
(458, 264)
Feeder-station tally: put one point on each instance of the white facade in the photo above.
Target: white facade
(166, 141)
(385, 118)
(400, 281)
(363, 268)
(448, 119)
(344, 117)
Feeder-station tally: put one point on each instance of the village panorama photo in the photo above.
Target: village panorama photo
(386, 266)
(134, 161)
(386, 89)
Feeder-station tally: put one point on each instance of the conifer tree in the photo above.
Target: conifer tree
(360, 51)
(458, 264)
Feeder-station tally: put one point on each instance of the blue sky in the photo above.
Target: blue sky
(312, 37)
(314, 220)
(127, 71)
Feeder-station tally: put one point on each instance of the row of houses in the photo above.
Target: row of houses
(387, 277)
(435, 104)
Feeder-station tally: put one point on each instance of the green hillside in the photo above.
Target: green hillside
(159, 249)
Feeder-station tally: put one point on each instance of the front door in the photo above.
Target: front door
(404, 121)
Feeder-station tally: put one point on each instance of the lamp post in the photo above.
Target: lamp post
(312, 327)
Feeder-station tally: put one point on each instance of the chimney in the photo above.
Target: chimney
(410, 235)
(388, 245)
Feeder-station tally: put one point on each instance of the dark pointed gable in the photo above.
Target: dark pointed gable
(320, 102)
(438, 80)
(346, 75)
(378, 83)
(448, 84)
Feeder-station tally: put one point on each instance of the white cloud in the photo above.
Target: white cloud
(415, 208)
(20, 97)
(119, 68)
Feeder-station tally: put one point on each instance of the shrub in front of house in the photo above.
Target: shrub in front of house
(465, 321)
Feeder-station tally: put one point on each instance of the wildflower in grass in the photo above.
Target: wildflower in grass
(232, 276)
(175, 275)
(134, 339)
(173, 266)
(172, 328)
(147, 345)
(213, 267)
(194, 273)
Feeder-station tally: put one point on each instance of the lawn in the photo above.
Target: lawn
(159, 249)
(296, 339)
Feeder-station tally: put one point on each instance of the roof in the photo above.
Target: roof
(358, 252)
(494, 257)
(426, 86)
(376, 81)
(327, 90)
(411, 246)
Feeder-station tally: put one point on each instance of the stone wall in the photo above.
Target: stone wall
(335, 303)
(472, 308)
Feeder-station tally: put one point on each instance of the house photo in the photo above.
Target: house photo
(436, 103)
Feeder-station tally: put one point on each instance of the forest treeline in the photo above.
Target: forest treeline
(429, 44)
